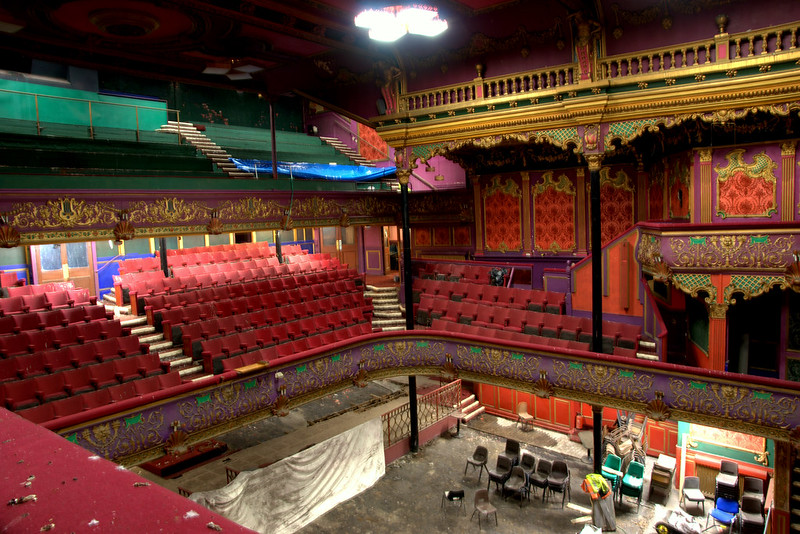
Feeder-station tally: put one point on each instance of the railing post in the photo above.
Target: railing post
(38, 124)
(137, 123)
(91, 124)
(178, 117)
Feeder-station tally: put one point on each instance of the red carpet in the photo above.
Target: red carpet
(78, 492)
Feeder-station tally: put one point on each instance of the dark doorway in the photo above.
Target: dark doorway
(754, 328)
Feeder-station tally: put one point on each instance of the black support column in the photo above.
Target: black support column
(162, 255)
(597, 293)
(403, 176)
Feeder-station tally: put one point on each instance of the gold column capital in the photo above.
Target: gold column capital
(788, 148)
(595, 161)
(705, 155)
(403, 176)
(717, 310)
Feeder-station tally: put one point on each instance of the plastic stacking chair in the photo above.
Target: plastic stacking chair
(523, 417)
(558, 480)
(516, 484)
(611, 471)
(751, 516)
(753, 487)
(455, 498)
(478, 460)
(724, 513)
(633, 483)
(727, 481)
(483, 507)
(538, 479)
(691, 492)
(512, 451)
(500, 473)
(528, 463)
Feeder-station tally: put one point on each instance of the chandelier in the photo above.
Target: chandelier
(390, 23)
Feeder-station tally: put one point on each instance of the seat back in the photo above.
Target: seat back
(635, 469)
(729, 468)
(691, 483)
(613, 461)
(751, 505)
(481, 454)
(527, 462)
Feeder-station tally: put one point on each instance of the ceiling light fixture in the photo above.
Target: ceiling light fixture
(393, 22)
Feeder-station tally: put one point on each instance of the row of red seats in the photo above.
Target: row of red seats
(568, 327)
(214, 350)
(21, 322)
(511, 297)
(8, 280)
(270, 266)
(261, 247)
(21, 394)
(138, 265)
(133, 292)
(204, 256)
(204, 321)
(59, 336)
(291, 348)
(517, 337)
(273, 292)
(65, 298)
(92, 399)
(74, 356)
(38, 289)
(455, 272)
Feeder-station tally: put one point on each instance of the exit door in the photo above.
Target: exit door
(341, 243)
(65, 262)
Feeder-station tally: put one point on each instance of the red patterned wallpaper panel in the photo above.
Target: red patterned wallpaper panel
(616, 201)
(554, 213)
(679, 174)
(461, 236)
(422, 237)
(502, 208)
(746, 189)
(441, 236)
(375, 148)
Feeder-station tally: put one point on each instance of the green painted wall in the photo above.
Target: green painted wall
(19, 100)
(726, 452)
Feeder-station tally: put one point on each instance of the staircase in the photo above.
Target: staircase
(647, 351)
(208, 147)
(386, 311)
(470, 408)
(166, 350)
(354, 156)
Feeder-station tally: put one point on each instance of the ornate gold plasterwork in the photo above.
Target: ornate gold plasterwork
(620, 180)
(752, 286)
(602, 380)
(760, 170)
(657, 409)
(693, 283)
(747, 404)
(168, 210)
(65, 212)
(729, 252)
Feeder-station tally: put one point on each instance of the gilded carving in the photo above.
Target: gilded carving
(657, 409)
(752, 286)
(169, 210)
(602, 380)
(542, 387)
(9, 236)
(729, 252)
(694, 283)
(63, 213)
(619, 181)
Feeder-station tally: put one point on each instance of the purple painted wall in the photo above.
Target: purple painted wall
(439, 174)
(691, 27)
(373, 250)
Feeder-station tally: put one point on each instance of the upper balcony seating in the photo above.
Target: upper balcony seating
(564, 328)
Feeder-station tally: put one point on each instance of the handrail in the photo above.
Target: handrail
(91, 120)
(701, 52)
(428, 410)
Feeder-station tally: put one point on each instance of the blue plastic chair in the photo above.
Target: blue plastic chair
(725, 512)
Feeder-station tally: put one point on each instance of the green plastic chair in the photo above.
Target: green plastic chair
(612, 471)
(633, 483)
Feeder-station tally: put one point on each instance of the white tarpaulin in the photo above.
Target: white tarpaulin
(291, 493)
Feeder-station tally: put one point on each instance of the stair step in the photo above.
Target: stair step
(160, 345)
(110, 297)
(648, 346)
(472, 415)
(170, 355)
(134, 321)
(646, 356)
(392, 328)
(467, 400)
(387, 314)
(144, 330)
(152, 338)
(177, 362)
(190, 370)
(470, 407)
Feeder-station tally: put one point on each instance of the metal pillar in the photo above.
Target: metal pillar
(597, 435)
(162, 255)
(402, 176)
(597, 294)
